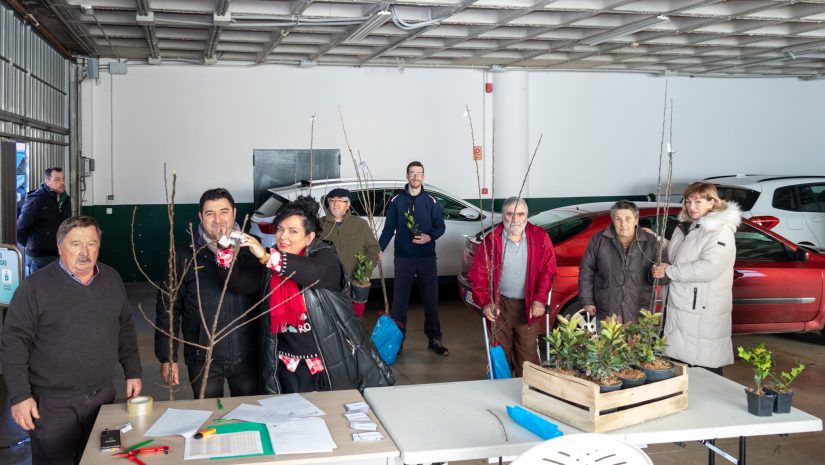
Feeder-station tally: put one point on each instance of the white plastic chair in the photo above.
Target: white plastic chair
(584, 449)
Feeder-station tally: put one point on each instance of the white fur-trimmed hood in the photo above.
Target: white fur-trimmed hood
(730, 216)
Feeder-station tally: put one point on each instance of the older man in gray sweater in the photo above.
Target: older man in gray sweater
(66, 327)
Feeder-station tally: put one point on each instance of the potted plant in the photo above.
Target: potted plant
(650, 347)
(780, 387)
(632, 356)
(360, 278)
(760, 403)
(603, 355)
(566, 343)
(412, 225)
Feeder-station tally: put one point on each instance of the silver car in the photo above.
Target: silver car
(461, 218)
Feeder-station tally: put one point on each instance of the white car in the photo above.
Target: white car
(791, 206)
(460, 218)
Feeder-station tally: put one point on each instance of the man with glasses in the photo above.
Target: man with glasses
(350, 234)
(416, 220)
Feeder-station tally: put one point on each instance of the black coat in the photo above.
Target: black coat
(41, 215)
(350, 358)
(242, 343)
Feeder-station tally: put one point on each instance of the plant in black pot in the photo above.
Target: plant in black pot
(603, 357)
(412, 225)
(760, 403)
(780, 386)
(566, 343)
(651, 346)
(360, 278)
(634, 354)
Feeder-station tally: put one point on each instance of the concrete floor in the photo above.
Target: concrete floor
(462, 335)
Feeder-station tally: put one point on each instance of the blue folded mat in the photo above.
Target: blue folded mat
(534, 423)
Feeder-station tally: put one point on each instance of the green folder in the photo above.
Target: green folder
(223, 428)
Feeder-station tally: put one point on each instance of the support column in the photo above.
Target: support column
(510, 117)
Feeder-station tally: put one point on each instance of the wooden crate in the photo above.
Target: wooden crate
(579, 403)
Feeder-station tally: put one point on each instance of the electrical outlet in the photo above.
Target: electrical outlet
(108, 211)
(110, 197)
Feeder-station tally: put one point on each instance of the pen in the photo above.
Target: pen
(205, 433)
(220, 407)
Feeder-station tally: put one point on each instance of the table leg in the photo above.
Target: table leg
(742, 450)
(712, 453)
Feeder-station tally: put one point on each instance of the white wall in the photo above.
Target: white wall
(607, 129)
(600, 131)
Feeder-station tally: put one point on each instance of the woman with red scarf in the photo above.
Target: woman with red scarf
(313, 340)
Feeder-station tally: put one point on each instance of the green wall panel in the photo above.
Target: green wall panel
(152, 230)
(151, 235)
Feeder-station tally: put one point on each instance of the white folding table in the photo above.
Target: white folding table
(468, 420)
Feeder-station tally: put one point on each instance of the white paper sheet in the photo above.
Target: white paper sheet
(301, 436)
(224, 445)
(177, 422)
(257, 414)
(292, 405)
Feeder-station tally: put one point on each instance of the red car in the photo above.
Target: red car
(778, 285)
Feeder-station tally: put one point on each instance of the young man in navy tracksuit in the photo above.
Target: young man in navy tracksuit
(415, 219)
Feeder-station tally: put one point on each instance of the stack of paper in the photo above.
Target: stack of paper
(301, 436)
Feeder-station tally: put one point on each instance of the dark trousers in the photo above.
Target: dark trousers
(60, 435)
(406, 269)
(515, 336)
(241, 374)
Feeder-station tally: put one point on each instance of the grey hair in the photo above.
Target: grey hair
(624, 205)
(77, 222)
(512, 200)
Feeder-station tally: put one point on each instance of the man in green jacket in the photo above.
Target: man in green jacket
(350, 234)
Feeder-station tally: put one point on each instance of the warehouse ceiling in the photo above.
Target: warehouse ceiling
(672, 37)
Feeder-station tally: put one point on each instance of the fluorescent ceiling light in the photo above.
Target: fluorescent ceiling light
(374, 22)
(620, 31)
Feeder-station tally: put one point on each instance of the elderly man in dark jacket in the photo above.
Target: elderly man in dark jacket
(350, 234)
(235, 358)
(43, 211)
(614, 271)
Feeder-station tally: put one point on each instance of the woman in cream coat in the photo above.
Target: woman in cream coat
(699, 271)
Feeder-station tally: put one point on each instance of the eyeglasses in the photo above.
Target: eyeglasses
(338, 200)
(415, 175)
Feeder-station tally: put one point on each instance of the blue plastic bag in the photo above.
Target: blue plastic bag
(387, 338)
(501, 369)
(534, 423)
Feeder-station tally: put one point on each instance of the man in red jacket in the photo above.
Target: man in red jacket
(517, 258)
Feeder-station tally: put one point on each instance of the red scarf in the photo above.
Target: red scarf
(286, 304)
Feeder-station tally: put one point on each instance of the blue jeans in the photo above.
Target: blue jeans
(33, 264)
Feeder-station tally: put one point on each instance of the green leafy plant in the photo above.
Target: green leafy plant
(566, 342)
(412, 225)
(762, 362)
(604, 352)
(648, 345)
(782, 382)
(363, 270)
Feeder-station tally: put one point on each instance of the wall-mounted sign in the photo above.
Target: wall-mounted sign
(11, 264)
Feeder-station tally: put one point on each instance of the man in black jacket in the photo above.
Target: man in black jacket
(43, 211)
(234, 359)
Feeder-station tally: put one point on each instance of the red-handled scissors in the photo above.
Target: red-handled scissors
(132, 455)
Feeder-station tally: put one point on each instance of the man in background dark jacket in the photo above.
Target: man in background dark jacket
(416, 220)
(43, 211)
(234, 358)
